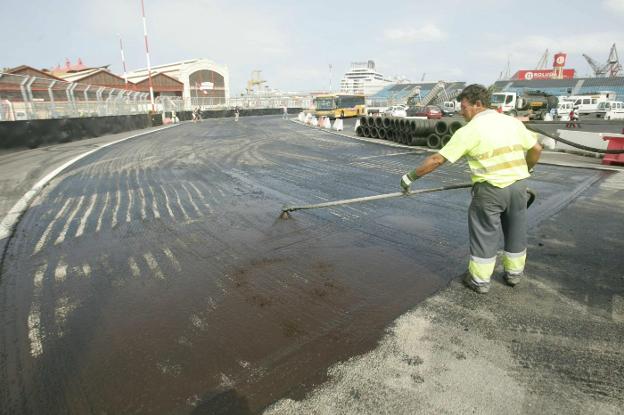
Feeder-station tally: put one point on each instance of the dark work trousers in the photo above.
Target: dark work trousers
(494, 209)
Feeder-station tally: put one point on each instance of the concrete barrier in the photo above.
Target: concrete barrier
(35, 133)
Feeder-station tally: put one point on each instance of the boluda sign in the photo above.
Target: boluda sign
(559, 60)
(540, 74)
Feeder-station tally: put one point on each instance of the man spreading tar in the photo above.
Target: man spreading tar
(500, 152)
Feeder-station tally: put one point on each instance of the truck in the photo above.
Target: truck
(534, 104)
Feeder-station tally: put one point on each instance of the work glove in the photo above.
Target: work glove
(407, 179)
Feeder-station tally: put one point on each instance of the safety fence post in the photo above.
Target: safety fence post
(52, 105)
(98, 99)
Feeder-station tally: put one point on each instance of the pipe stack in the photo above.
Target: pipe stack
(412, 132)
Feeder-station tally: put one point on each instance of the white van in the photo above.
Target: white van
(615, 111)
(563, 110)
(588, 104)
(451, 107)
(605, 107)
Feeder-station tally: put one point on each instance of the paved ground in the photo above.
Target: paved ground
(551, 345)
(154, 275)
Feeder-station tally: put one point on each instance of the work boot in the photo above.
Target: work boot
(513, 279)
(481, 288)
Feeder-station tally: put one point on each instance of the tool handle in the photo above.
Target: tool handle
(376, 197)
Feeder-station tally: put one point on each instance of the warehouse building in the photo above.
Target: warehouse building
(199, 78)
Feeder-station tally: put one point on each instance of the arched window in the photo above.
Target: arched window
(207, 84)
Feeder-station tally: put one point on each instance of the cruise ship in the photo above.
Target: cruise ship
(363, 79)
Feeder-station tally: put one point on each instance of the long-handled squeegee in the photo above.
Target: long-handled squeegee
(287, 209)
(285, 215)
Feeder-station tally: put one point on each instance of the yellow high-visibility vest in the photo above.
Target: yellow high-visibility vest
(494, 145)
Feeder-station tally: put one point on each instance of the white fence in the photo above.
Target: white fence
(31, 98)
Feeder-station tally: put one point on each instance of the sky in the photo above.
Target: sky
(294, 43)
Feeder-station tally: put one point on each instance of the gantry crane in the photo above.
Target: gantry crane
(543, 62)
(610, 69)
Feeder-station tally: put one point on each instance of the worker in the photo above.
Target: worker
(574, 117)
(500, 153)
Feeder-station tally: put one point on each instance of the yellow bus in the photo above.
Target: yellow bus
(339, 105)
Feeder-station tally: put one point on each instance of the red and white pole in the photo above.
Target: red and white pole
(149, 66)
(123, 62)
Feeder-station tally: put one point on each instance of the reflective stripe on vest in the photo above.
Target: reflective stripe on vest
(503, 158)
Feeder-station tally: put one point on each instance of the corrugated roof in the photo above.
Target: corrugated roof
(537, 84)
(170, 68)
(566, 86)
(76, 76)
(563, 83)
(606, 82)
(143, 79)
(401, 91)
(43, 74)
(80, 76)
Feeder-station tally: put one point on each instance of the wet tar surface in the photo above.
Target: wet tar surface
(154, 276)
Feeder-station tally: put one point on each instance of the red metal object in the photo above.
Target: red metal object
(615, 143)
(559, 60)
(541, 74)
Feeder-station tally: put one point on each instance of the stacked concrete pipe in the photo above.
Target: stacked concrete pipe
(413, 132)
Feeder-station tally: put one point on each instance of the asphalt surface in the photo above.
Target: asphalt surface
(551, 345)
(20, 169)
(155, 276)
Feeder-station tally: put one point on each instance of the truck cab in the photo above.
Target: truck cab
(534, 104)
(563, 110)
(505, 102)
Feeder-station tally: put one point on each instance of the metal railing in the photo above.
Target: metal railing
(31, 98)
(169, 103)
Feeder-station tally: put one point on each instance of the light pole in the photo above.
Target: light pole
(123, 61)
(147, 56)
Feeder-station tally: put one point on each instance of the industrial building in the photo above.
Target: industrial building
(198, 78)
